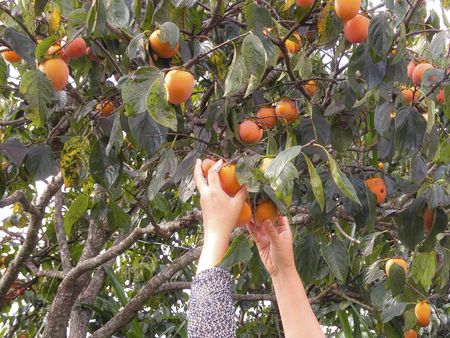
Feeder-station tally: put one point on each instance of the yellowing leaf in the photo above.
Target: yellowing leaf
(288, 4)
(53, 17)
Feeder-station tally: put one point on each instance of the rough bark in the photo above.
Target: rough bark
(60, 233)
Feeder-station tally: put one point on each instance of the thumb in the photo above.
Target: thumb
(271, 231)
(241, 195)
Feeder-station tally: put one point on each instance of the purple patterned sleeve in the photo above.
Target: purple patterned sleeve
(211, 309)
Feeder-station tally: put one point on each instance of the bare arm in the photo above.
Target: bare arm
(277, 254)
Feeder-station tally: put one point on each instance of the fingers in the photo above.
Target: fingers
(213, 176)
(241, 195)
(283, 224)
(199, 179)
(271, 231)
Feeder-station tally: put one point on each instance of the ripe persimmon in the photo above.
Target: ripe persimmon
(410, 68)
(11, 56)
(399, 261)
(265, 210)
(286, 110)
(179, 86)
(418, 72)
(250, 132)
(228, 180)
(423, 313)
(56, 71)
(293, 44)
(410, 94)
(207, 163)
(58, 52)
(76, 48)
(304, 3)
(245, 216)
(311, 87)
(411, 333)
(380, 166)
(378, 187)
(266, 117)
(162, 49)
(356, 30)
(428, 218)
(105, 108)
(347, 9)
(440, 98)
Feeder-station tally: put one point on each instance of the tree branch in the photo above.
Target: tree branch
(16, 19)
(31, 238)
(60, 233)
(150, 288)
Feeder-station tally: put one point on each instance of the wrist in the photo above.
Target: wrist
(285, 274)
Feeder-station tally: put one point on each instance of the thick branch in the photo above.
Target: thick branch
(151, 288)
(31, 238)
(60, 233)
(19, 197)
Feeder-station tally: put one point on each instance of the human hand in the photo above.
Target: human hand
(220, 214)
(274, 245)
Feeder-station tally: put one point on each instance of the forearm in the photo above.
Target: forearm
(214, 248)
(296, 314)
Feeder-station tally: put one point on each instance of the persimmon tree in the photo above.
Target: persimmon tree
(341, 125)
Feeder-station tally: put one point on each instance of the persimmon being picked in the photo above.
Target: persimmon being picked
(207, 163)
(411, 333)
(418, 72)
(56, 71)
(228, 179)
(423, 313)
(161, 48)
(179, 86)
(265, 210)
(399, 261)
(11, 56)
(286, 111)
(250, 132)
(57, 51)
(304, 3)
(378, 187)
(266, 117)
(347, 9)
(245, 216)
(356, 30)
(428, 218)
(105, 108)
(311, 87)
(76, 48)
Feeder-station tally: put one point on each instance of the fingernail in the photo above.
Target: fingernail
(217, 166)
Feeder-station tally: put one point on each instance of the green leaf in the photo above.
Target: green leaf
(44, 45)
(257, 17)
(277, 166)
(40, 162)
(245, 172)
(437, 49)
(165, 169)
(381, 36)
(392, 310)
(316, 183)
(236, 77)
(396, 279)
(409, 132)
(105, 170)
(255, 60)
(342, 181)
(118, 13)
(76, 210)
(239, 251)
(146, 133)
(307, 257)
(96, 18)
(39, 93)
(343, 319)
(15, 150)
(424, 268)
(158, 107)
(336, 257)
(169, 32)
(76, 21)
(117, 218)
(21, 44)
(3, 72)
